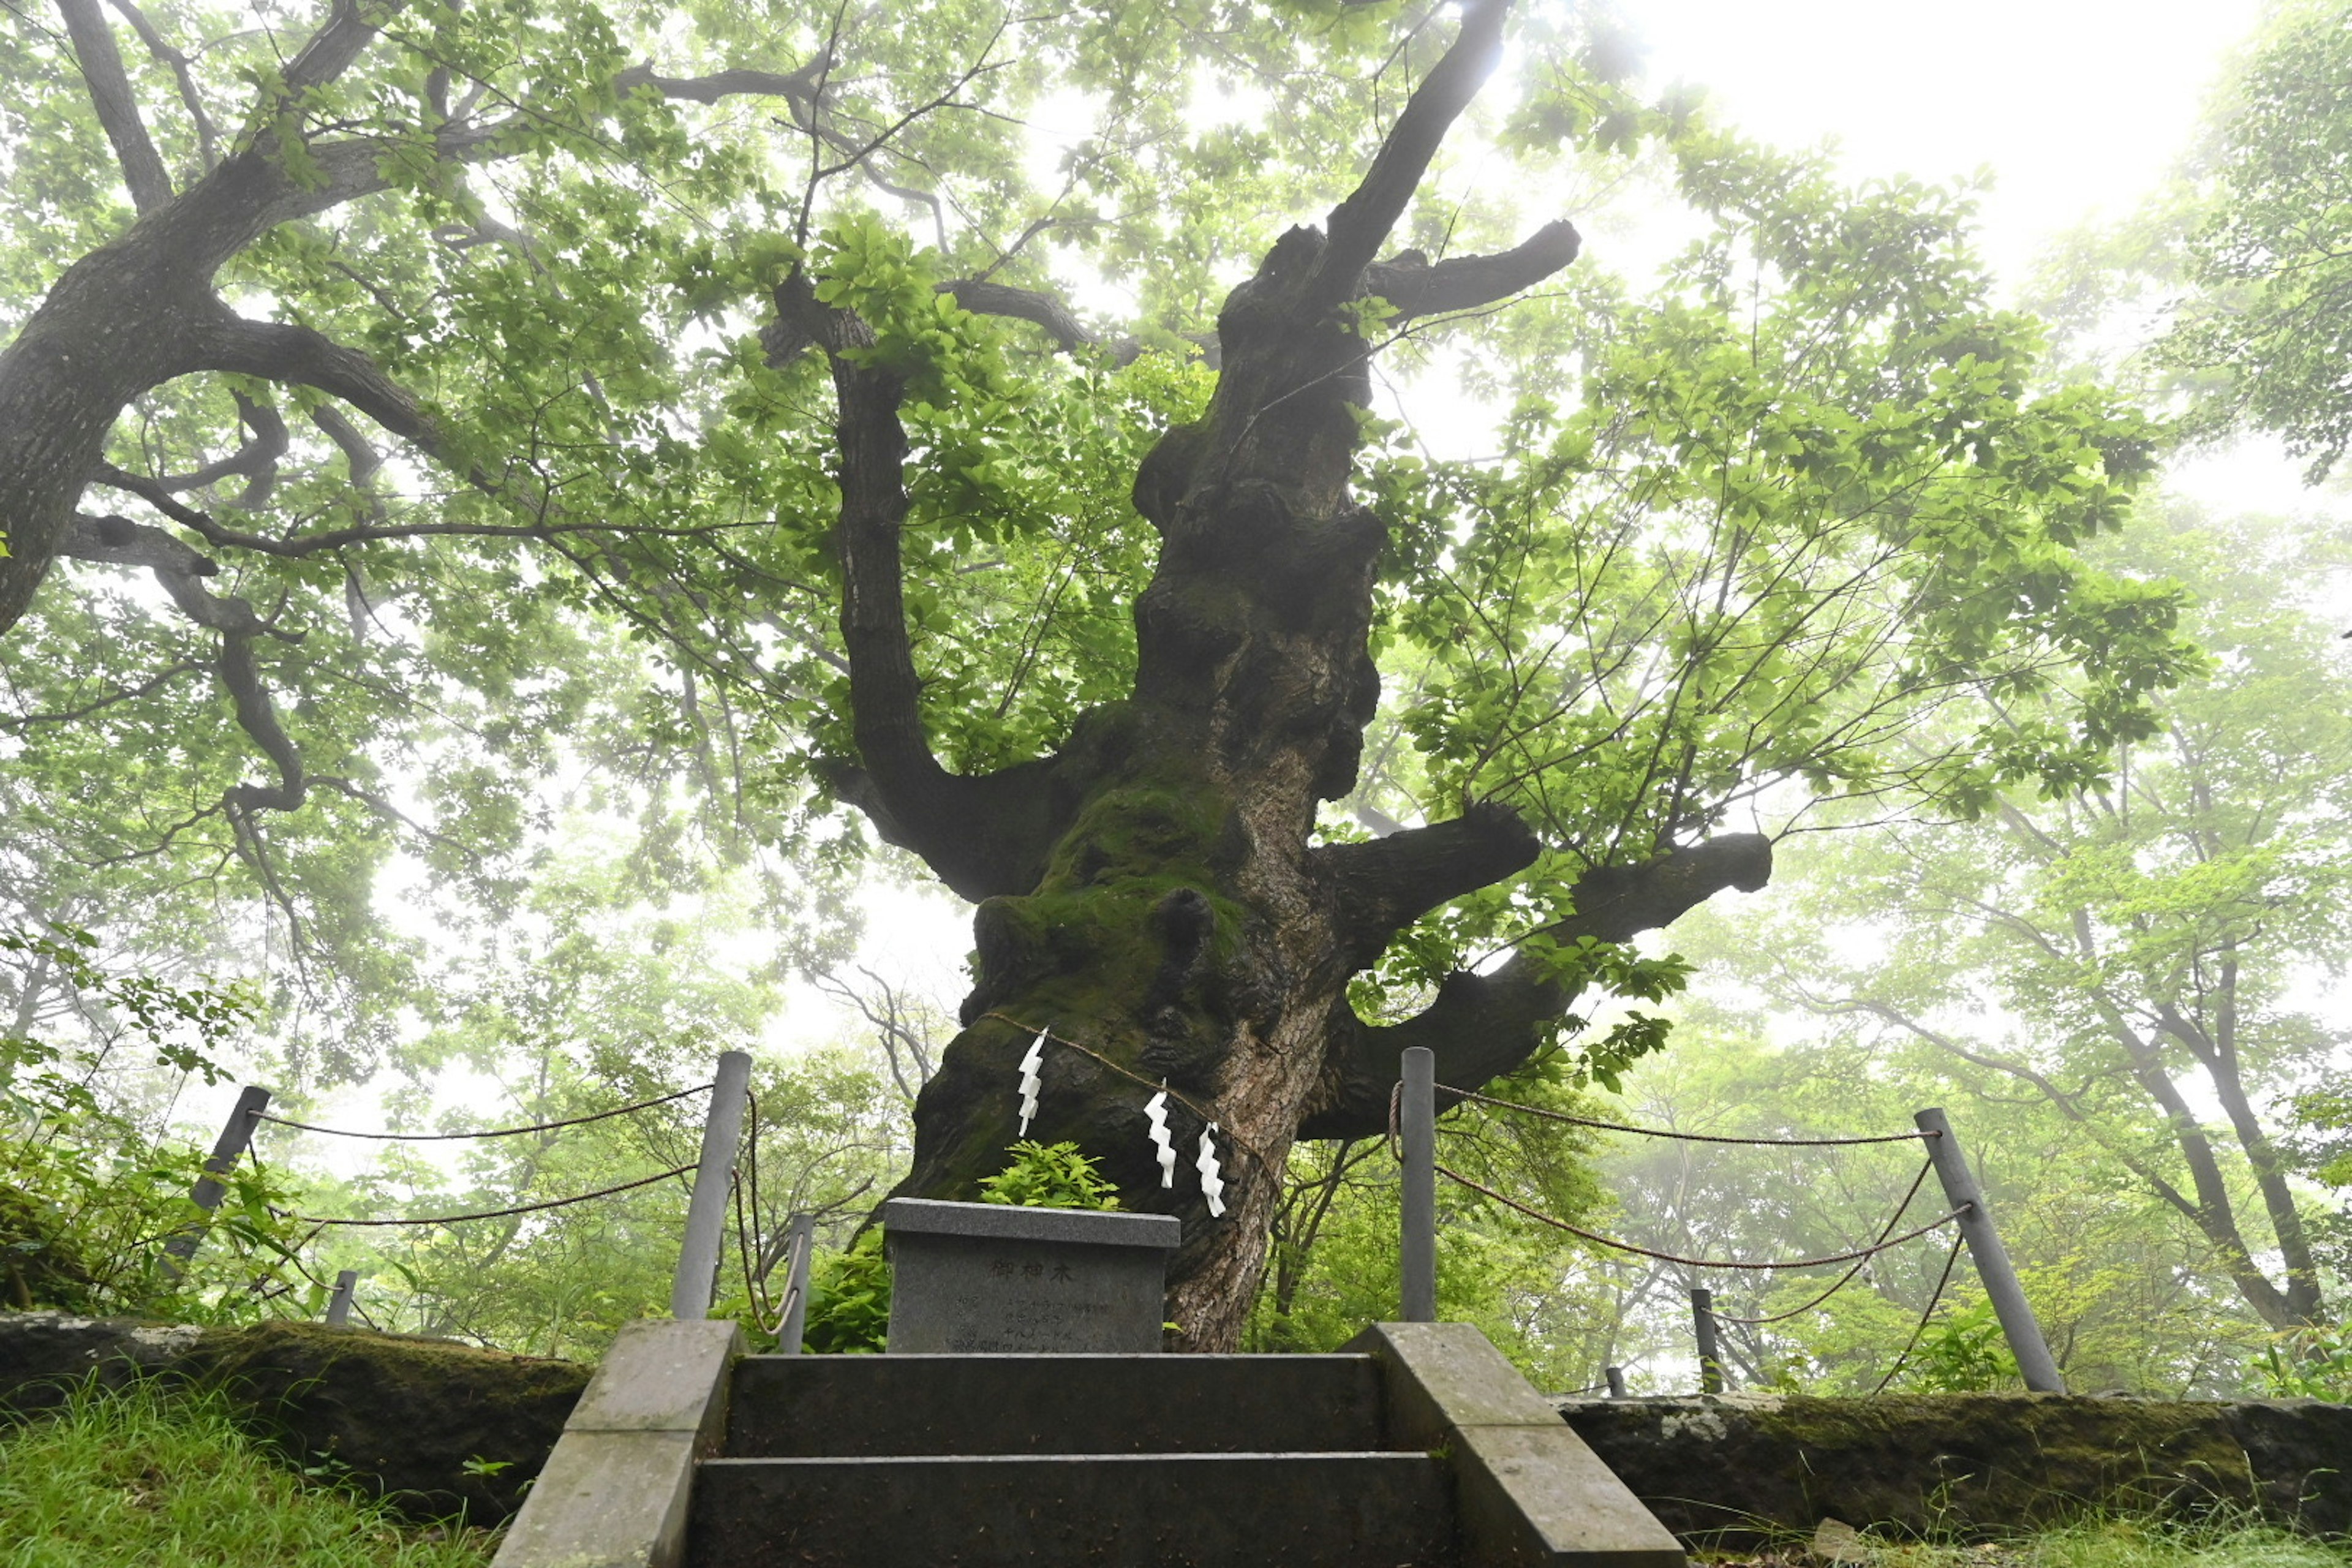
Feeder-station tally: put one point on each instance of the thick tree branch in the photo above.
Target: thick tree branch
(784, 340)
(1482, 1025)
(180, 567)
(358, 451)
(1359, 225)
(1417, 287)
(302, 356)
(799, 86)
(1040, 309)
(884, 685)
(117, 105)
(348, 29)
(257, 717)
(983, 835)
(1381, 887)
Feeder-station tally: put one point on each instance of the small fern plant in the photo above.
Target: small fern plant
(1049, 1176)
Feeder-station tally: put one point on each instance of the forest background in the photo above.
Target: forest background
(562, 891)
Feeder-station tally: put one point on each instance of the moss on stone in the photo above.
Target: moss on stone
(1741, 1470)
(436, 1427)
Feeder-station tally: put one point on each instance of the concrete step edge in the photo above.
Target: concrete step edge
(1386, 1454)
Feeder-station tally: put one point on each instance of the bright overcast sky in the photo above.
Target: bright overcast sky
(2074, 105)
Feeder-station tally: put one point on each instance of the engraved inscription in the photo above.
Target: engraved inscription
(978, 1295)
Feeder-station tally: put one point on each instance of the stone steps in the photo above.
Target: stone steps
(1125, 1510)
(1022, 1461)
(1427, 1450)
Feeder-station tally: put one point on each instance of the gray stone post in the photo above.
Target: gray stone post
(339, 1305)
(706, 1212)
(1991, 1258)
(1417, 1130)
(1710, 1356)
(236, 1135)
(796, 1285)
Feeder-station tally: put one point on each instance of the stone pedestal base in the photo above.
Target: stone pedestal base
(980, 1278)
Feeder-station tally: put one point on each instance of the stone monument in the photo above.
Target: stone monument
(968, 1278)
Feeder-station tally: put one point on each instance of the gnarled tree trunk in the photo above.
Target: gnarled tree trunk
(1149, 894)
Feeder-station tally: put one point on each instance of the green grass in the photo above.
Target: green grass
(137, 1479)
(2104, 1542)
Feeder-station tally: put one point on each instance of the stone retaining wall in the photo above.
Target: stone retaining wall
(1746, 1467)
(442, 1426)
(438, 1427)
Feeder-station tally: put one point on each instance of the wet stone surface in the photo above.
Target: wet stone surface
(984, 1277)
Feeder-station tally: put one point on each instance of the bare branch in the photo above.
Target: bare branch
(798, 85)
(358, 451)
(147, 688)
(256, 461)
(207, 136)
(181, 570)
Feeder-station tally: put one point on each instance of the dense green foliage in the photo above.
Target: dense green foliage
(1049, 1176)
(138, 1479)
(88, 1195)
(1677, 586)
(2272, 253)
(2124, 1000)
(849, 1300)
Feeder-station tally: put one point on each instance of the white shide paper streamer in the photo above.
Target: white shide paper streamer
(1212, 1185)
(1158, 1113)
(1030, 1081)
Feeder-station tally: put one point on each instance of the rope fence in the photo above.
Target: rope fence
(1551, 1115)
(715, 1185)
(1934, 1300)
(1413, 1134)
(1847, 1278)
(498, 1213)
(1609, 1241)
(490, 1132)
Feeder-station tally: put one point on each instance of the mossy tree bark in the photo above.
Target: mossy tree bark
(1151, 891)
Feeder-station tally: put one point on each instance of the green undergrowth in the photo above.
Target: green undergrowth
(144, 1480)
(2101, 1542)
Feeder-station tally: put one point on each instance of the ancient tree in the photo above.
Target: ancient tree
(1740, 536)
(1152, 891)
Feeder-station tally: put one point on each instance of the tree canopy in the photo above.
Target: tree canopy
(693, 399)
(2270, 252)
